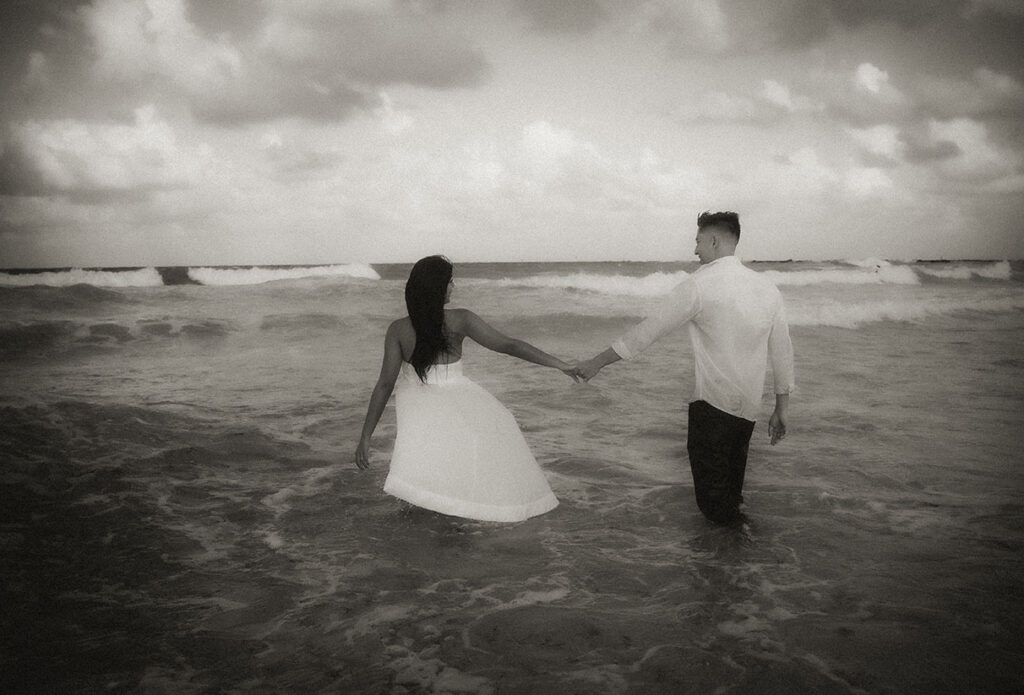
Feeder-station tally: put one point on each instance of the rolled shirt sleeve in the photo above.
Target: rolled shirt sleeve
(681, 305)
(780, 353)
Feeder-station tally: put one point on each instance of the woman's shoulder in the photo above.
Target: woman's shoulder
(456, 318)
(401, 327)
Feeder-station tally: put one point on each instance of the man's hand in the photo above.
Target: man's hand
(777, 426)
(589, 369)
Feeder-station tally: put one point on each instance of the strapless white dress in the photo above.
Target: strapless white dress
(459, 451)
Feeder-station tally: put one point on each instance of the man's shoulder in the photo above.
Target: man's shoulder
(758, 276)
(735, 276)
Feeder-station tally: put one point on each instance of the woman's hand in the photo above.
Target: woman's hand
(363, 455)
(571, 371)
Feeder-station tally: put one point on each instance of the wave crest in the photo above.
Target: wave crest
(991, 271)
(143, 277)
(258, 275)
(651, 285)
(847, 315)
(870, 275)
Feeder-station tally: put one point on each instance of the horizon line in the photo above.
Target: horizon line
(115, 268)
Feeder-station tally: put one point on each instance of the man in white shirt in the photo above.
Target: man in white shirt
(737, 323)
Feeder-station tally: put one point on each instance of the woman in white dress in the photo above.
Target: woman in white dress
(458, 450)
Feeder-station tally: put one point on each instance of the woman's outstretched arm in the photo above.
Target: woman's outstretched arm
(389, 369)
(493, 339)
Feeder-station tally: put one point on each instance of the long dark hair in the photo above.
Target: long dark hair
(425, 291)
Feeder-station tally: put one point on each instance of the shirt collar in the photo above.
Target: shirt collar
(724, 260)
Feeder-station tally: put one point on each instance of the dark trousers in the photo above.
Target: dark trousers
(717, 444)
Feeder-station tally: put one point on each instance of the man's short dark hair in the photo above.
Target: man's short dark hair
(730, 221)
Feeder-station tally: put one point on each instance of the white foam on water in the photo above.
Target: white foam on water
(991, 271)
(652, 285)
(605, 678)
(532, 598)
(314, 481)
(881, 275)
(661, 283)
(368, 622)
(851, 315)
(257, 275)
(273, 539)
(747, 627)
(433, 675)
(144, 277)
(870, 263)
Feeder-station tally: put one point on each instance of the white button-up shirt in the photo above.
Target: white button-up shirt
(736, 322)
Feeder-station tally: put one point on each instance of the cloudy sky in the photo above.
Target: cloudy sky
(167, 132)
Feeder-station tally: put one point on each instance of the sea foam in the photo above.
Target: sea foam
(851, 315)
(660, 283)
(991, 271)
(651, 285)
(143, 277)
(865, 275)
(258, 275)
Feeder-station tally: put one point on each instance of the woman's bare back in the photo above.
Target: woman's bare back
(454, 321)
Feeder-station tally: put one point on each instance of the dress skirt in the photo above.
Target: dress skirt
(459, 451)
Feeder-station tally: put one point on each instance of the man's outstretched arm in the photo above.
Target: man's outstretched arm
(589, 369)
(678, 307)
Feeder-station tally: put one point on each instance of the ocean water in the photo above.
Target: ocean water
(181, 513)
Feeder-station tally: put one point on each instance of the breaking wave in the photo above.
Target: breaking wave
(142, 277)
(258, 275)
(651, 285)
(886, 274)
(866, 272)
(963, 271)
(851, 315)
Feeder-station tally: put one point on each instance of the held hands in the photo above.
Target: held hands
(588, 369)
(571, 371)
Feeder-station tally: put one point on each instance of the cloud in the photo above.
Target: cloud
(774, 102)
(871, 78)
(392, 120)
(564, 16)
(289, 161)
(862, 96)
(717, 106)
(97, 160)
(881, 140)
(687, 27)
(867, 181)
(921, 147)
(873, 82)
(753, 26)
(985, 93)
(558, 162)
(365, 43)
(545, 169)
(241, 62)
(779, 95)
(999, 7)
(806, 172)
(117, 54)
(978, 160)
